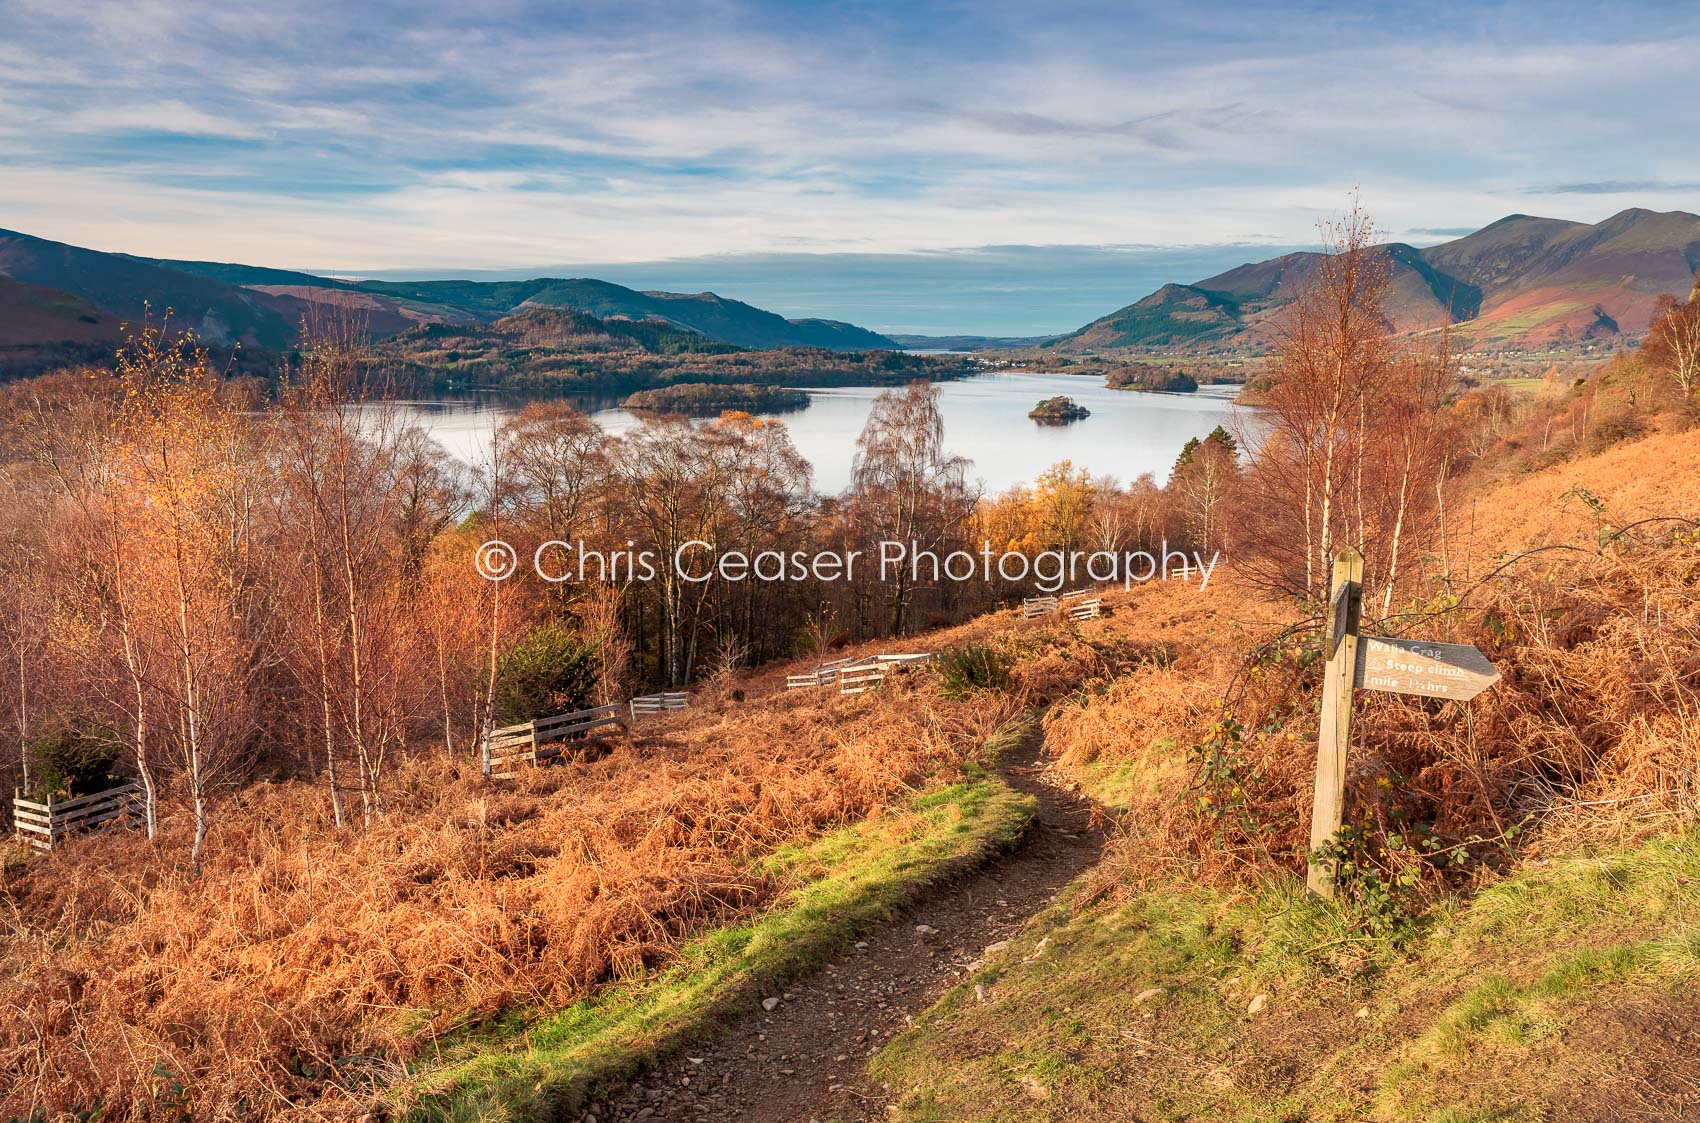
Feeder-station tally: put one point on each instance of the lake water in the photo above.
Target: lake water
(985, 420)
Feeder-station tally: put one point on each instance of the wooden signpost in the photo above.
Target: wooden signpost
(1432, 670)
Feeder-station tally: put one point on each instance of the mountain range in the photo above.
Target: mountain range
(52, 293)
(1523, 282)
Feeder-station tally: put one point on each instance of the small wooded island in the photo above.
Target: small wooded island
(1058, 411)
(1158, 379)
(705, 399)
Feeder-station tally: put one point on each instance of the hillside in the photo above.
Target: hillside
(262, 308)
(552, 349)
(716, 317)
(729, 321)
(129, 288)
(1522, 282)
(32, 312)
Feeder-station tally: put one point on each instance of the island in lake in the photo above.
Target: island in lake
(706, 399)
(1058, 411)
(1143, 377)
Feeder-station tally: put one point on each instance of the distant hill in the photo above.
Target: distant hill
(129, 288)
(730, 321)
(554, 349)
(968, 342)
(262, 308)
(1521, 282)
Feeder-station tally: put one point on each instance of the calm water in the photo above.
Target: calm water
(985, 420)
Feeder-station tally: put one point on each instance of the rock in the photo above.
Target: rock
(926, 930)
(979, 993)
(1257, 1004)
(993, 949)
(696, 1060)
(1363, 1011)
(1034, 1088)
(769, 1003)
(1147, 995)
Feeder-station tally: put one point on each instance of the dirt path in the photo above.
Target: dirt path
(803, 1060)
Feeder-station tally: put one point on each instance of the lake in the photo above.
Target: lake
(985, 420)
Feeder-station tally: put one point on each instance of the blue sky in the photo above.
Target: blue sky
(1004, 168)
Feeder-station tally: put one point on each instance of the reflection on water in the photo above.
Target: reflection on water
(985, 420)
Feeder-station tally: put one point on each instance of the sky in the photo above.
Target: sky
(995, 168)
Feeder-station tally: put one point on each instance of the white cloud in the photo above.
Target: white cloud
(496, 139)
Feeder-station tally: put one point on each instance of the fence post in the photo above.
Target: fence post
(484, 742)
(1344, 609)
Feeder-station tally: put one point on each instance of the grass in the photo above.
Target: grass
(1507, 1006)
(543, 1064)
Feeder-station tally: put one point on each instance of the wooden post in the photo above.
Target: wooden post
(485, 742)
(1343, 612)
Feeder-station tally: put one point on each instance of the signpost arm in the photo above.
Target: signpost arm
(1343, 612)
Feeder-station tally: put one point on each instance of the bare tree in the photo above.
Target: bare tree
(906, 488)
(1673, 342)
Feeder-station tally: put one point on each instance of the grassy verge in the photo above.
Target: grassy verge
(1558, 993)
(546, 1065)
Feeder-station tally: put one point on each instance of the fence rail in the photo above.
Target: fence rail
(1087, 609)
(1038, 606)
(43, 824)
(543, 739)
(655, 703)
(855, 680)
(867, 673)
(1045, 605)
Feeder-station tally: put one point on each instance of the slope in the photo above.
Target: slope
(1519, 282)
(130, 288)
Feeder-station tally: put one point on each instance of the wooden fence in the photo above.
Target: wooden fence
(1079, 609)
(824, 674)
(1038, 606)
(655, 703)
(43, 824)
(865, 674)
(507, 748)
(1086, 609)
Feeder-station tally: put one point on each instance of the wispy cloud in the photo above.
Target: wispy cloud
(1619, 187)
(432, 134)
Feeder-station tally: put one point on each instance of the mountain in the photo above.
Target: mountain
(129, 288)
(718, 318)
(1521, 282)
(1547, 281)
(31, 312)
(262, 308)
(730, 321)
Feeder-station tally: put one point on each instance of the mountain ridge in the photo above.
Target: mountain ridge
(1523, 281)
(229, 303)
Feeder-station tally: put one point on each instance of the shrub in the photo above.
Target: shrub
(971, 667)
(551, 671)
(73, 761)
(1615, 429)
